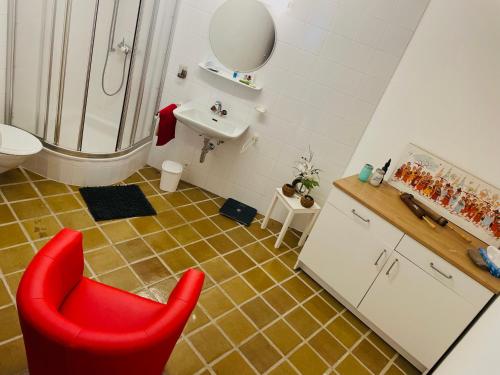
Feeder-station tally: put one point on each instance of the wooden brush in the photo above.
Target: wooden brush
(429, 213)
(416, 209)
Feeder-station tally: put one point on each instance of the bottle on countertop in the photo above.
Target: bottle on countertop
(377, 177)
(385, 168)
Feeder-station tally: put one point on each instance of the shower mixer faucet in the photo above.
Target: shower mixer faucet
(122, 46)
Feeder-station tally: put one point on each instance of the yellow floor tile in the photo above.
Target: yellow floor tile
(238, 290)
(215, 302)
(236, 326)
(330, 349)
(18, 192)
(49, 187)
(210, 342)
(15, 258)
(283, 336)
(134, 250)
(308, 362)
(145, 225)
(42, 227)
(260, 353)
(122, 278)
(13, 176)
(344, 332)
(104, 260)
(218, 269)
(13, 357)
(6, 215)
(9, 323)
(93, 238)
(161, 241)
(150, 270)
(30, 209)
(76, 220)
(233, 364)
(119, 231)
(278, 298)
(63, 203)
(302, 322)
(184, 234)
(222, 243)
(10, 235)
(351, 366)
(368, 354)
(259, 312)
(183, 360)
(201, 251)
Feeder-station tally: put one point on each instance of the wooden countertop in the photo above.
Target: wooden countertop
(384, 201)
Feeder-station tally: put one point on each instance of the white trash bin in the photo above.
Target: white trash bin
(170, 175)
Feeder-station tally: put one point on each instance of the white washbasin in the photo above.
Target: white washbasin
(208, 124)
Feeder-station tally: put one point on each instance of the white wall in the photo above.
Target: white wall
(331, 66)
(445, 94)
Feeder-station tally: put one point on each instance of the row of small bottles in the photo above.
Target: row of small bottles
(376, 177)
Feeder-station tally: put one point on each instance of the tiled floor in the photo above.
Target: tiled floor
(256, 314)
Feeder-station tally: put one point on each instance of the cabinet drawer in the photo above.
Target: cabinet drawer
(444, 272)
(366, 219)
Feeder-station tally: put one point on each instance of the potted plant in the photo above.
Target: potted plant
(306, 178)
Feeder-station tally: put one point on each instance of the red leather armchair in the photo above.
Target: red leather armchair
(73, 325)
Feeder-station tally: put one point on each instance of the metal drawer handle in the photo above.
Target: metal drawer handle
(380, 257)
(390, 268)
(441, 272)
(361, 217)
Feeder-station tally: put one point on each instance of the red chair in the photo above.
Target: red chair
(73, 325)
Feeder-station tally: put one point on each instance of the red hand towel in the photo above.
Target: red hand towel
(166, 127)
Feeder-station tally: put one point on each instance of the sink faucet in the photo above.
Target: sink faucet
(217, 109)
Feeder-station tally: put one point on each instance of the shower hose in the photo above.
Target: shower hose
(104, 74)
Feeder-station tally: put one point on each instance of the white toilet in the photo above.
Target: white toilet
(16, 146)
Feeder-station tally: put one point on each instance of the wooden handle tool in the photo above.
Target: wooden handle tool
(464, 236)
(416, 209)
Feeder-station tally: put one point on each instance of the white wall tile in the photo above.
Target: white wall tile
(330, 67)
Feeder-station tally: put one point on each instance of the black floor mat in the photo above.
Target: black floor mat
(116, 202)
(238, 211)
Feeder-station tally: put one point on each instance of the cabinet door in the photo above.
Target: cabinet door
(422, 315)
(344, 255)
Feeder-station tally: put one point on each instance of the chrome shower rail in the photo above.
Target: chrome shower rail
(49, 72)
(128, 87)
(11, 54)
(87, 78)
(62, 72)
(166, 58)
(145, 67)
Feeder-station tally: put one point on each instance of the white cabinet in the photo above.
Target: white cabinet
(420, 305)
(414, 309)
(344, 254)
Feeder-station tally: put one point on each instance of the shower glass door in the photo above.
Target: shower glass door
(88, 73)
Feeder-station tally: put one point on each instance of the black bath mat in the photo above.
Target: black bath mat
(116, 202)
(238, 211)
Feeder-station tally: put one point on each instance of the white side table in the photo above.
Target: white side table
(292, 204)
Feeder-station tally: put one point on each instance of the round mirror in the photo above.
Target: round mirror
(242, 35)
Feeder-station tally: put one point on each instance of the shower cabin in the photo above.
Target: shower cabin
(86, 77)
